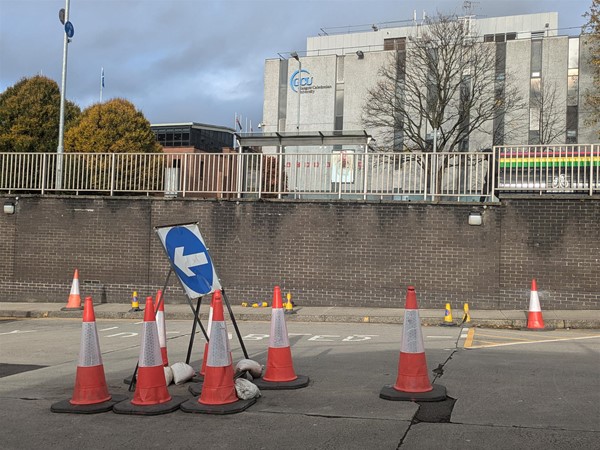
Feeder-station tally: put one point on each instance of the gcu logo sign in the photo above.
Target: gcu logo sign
(303, 79)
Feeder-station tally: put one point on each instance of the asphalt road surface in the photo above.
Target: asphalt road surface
(512, 389)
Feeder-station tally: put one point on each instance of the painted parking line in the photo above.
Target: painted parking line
(486, 339)
(505, 344)
(469, 338)
(18, 332)
(317, 337)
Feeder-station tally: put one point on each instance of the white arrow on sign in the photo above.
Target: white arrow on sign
(185, 262)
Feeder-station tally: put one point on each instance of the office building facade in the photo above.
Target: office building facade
(325, 87)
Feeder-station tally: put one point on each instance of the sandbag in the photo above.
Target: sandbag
(246, 389)
(182, 372)
(254, 368)
(168, 375)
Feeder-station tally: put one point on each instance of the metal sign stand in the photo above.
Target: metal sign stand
(196, 310)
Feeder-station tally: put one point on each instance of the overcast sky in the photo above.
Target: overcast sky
(198, 60)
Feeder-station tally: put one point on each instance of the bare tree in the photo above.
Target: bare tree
(443, 79)
(547, 112)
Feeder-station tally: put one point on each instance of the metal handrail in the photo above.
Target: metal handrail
(347, 175)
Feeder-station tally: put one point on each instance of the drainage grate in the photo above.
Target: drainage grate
(435, 412)
(7, 370)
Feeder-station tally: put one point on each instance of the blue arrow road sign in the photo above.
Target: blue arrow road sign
(190, 259)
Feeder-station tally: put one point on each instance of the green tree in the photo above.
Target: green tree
(114, 127)
(111, 127)
(29, 116)
(592, 30)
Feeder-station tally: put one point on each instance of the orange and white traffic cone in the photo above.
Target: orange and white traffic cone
(280, 373)
(74, 301)
(162, 329)
(218, 391)
(196, 388)
(90, 394)
(208, 329)
(151, 395)
(535, 321)
(412, 382)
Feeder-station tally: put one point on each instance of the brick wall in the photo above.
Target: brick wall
(324, 253)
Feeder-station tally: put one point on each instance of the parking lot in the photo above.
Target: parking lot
(512, 388)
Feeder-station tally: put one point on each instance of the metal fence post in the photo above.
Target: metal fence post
(239, 169)
(260, 174)
(365, 167)
(593, 180)
(184, 177)
(112, 174)
(44, 156)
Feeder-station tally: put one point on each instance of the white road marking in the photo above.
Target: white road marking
(359, 337)
(108, 329)
(123, 334)
(323, 337)
(18, 331)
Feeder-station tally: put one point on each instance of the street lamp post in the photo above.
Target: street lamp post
(297, 58)
(63, 85)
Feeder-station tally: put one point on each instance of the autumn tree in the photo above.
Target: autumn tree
(29, 116)
(111, 127)
(115, 127)
(592, 30)
(442, 79)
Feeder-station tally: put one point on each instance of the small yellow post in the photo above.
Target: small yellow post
(466, 315)
(448, 314)
(289, 307)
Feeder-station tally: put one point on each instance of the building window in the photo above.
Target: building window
(573, 91)
(397, 44)
(536, 59)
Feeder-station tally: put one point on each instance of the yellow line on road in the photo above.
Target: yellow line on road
(469, 340)
(499, 336)
(534, 342)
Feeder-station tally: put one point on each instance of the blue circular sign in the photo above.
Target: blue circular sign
(190, 258)
(69, 29)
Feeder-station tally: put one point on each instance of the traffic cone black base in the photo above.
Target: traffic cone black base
(436, 395)
(65, 406)
(126, 407)
(197, 378)
(135, 310)
(537, 329)
(194, 406)
(300, 382)
(195, 389)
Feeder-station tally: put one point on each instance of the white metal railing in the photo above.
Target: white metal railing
(472, 176)
(548, 169)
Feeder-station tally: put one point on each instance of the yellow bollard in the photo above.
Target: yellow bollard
(466, 315)
(448, 321)
(289, 306)
(135, 304)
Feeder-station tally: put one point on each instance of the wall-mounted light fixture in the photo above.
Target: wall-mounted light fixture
(10, 206)
(360, 54)
(475, 218)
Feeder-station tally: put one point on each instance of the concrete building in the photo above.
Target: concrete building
(325, 87)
